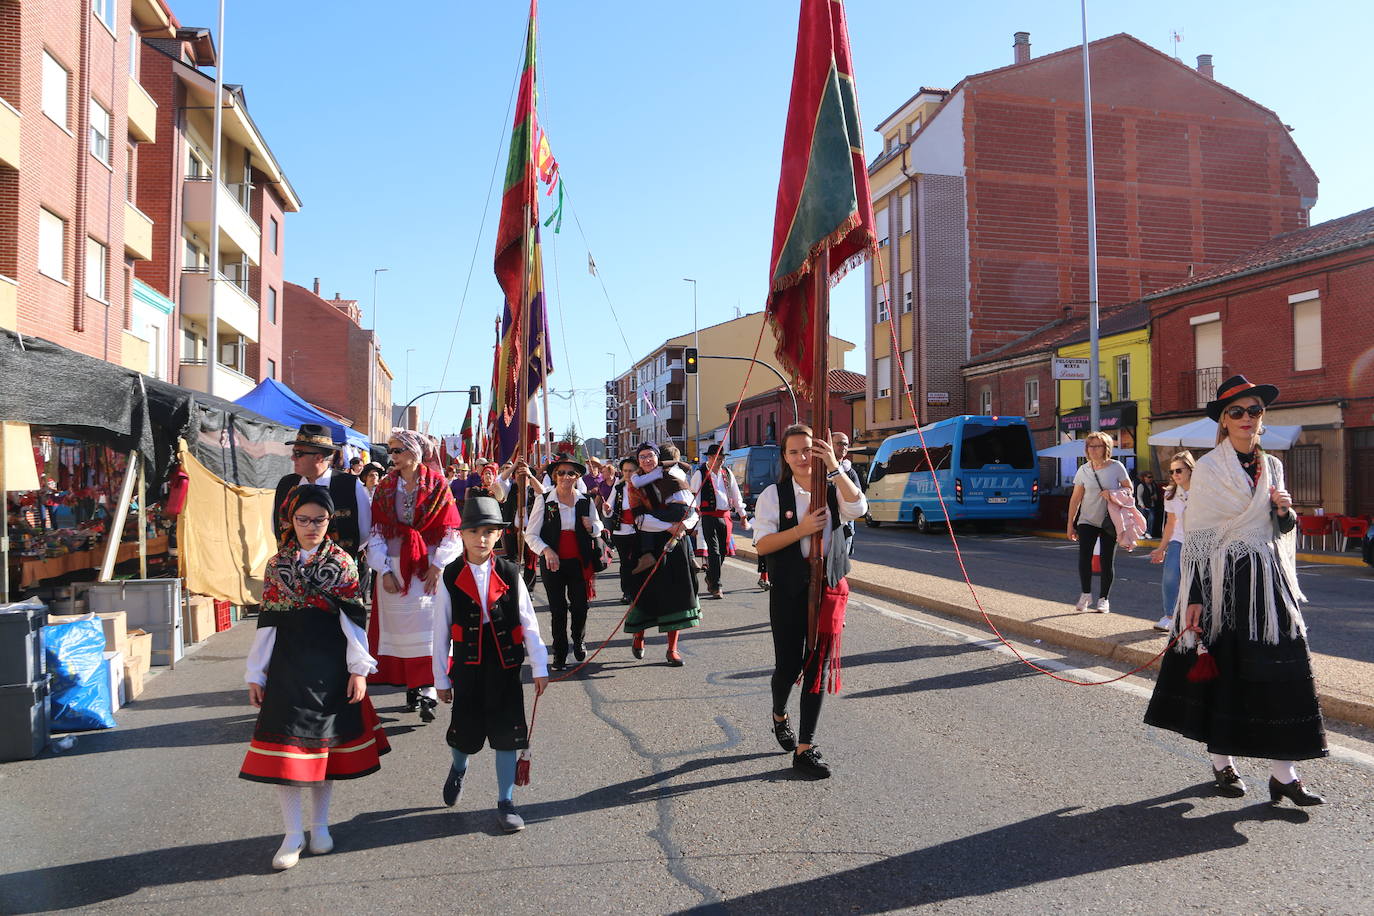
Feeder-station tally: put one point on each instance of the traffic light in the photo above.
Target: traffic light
(690, 360)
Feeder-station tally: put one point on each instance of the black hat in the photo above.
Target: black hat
(482, 511)
(1235, 388)
(372, 466)
(565, 458)
(713, 449)
(308, 494)
(315, 435)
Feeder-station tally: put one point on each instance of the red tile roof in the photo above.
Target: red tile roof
(1353, 231)
(843, 381)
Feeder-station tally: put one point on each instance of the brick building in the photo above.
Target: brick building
(1296, 312)
(334, 363)
(763, 417)
(73, 117)
(981, 204)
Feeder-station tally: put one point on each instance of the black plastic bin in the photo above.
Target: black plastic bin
(24, 719)
(21, 642)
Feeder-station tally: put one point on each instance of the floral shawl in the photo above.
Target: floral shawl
(436, 514)
(328, 581)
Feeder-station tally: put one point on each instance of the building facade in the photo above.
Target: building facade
(763, 417)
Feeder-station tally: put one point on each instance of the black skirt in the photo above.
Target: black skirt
(306, 700)
(1263, 703)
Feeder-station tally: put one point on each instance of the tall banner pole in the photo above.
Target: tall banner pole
(820, 427)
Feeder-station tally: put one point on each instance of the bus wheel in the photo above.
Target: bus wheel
(922, 523)
(871, 522)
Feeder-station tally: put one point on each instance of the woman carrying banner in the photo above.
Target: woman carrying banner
(1241, 678)
(307, 674)
(668, 598)
(784, 522)
(414, 536)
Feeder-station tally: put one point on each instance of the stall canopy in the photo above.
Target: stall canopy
(273, 399)
(1202, 433)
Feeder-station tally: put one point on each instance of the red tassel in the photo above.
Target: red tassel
(1205, 668)
(522, 768)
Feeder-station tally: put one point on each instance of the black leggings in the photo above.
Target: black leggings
(1087, 536)
(787, 616)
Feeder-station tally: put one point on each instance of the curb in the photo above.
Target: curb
(1326, 558)
(1336, 702)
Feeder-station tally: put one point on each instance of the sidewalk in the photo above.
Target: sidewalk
(1345, 686)
(1332, 557)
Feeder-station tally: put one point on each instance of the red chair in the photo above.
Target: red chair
(1350, 526)
(1315, 526)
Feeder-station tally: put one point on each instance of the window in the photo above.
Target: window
(1123, 378)
(1304, 473)
(271, 305)
(194, 258)
(883, 310)
(1307, 335)
(52, 244)
(272, 230)
(95, 270)
(903, 214)
(1005, 445)
(882, 376)
(100, 132)
(909, 367)
(985, 402)
(135, 44)
(908, 294)
(892, 140)
(271, 368)
(55, 80)
(1206, 358)
(880, 219)
(1032, 397)
(105, 9)
(191, 345)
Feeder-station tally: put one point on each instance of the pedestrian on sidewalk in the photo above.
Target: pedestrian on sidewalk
(483, 615)
(564, 531)
(1147, 500)
(307, 673)
(620, 519)
(784, 522)
(1170, 549)
(414, 536)
(1088, 521)
(717, 495)
(1240, 680)
(668, 596)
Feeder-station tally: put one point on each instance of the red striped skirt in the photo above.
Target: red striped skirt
(293, 765)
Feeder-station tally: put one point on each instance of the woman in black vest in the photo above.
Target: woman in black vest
(561, 530)
(784, 521)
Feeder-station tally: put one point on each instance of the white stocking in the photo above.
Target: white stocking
(1222, 761)
(1283, 770)
(320, 796)
(290, 798)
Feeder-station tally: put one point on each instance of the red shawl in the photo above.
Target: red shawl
(436, 514)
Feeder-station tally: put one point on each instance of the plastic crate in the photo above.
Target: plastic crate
(224, 615)
(24, 719)
(21, 642)
(151, 605)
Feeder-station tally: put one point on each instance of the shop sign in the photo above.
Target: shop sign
(1070, 369)
(1113, 418)
(937, 398)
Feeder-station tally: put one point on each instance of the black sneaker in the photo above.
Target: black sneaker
(580, 651)
(787, 739)
(810, 765)
(509, 819)
(453, 786)
(427, 707)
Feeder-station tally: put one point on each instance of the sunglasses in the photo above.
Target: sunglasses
(566, 474)
(298, 453)
(307, 522)
(1178, 470)
(1236, 412)
(397, 451)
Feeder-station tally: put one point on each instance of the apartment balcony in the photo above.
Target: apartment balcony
(138, 233)
(237, 231)
(229, 384)
(1199, 386)
(142, 113)
(9, 304)
(9, 135)
(234, 308)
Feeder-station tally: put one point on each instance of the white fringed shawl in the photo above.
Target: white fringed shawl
(1227, 519)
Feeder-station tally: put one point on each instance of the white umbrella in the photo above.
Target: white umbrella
(1202, 433)
(1072, 449)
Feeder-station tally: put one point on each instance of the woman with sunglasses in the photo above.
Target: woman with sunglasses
(414, 536)
(1241, 678)
(562, 531)
(1170, 549)
(1089, 521)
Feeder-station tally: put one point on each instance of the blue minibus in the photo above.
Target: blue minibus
(986, 467)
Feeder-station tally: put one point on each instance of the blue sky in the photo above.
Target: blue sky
(667, 121)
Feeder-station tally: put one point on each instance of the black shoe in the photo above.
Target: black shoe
(787, 739)
(580, 651)
(1228, 781)
(626, 599)
(1293, 791)
(453, 786)
(637, 646)
(764, 583)
(412, 700)
(509, 819)
(427, 707)
(560, 662)
(809, 764)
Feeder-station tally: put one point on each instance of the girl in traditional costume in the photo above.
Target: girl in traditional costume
(307, 674)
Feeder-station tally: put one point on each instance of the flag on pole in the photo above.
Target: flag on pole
(591, 264)
(466, 451)
(823, 199)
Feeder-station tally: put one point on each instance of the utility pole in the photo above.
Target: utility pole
(375, 272)
(212, 334)
(1094, 357)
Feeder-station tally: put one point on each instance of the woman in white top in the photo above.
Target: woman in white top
(562, 531)
(1170, 549)
(1089, 523)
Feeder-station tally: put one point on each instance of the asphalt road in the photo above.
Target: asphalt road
(1339, 612)
(963, 782)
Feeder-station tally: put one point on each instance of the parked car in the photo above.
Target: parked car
(754, 467)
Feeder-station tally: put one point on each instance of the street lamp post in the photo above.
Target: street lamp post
(696, 343)
(374, 295)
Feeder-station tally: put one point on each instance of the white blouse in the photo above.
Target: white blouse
(766, 514)
(567, 515)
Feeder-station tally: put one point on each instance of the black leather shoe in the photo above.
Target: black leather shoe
(580, 651)
(412, 700)
(1293, 791)
(560, 662)
(626, 599)
(637, 646)
(787, 739)
(1228, 781)
(810, 765)
(453, 786)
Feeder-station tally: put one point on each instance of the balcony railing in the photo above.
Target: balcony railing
(1197, 387)
(236, 224)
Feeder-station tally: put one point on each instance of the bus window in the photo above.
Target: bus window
(985, 445)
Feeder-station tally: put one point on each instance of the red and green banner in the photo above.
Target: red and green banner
(823, 199)
(465, 437)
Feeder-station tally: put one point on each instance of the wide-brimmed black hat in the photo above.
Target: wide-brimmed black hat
(713, 449)
(1235, 388)
(565, 458)
(315, 435)
(482, 512)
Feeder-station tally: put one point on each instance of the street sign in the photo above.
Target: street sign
(1072, 369)
(937, 398)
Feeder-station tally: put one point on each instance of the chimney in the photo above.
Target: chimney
(317, 286)
(1021, 48)
(1204, 65)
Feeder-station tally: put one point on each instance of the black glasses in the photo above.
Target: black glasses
(298, 453)
(1235, 412)
(306, 521)
(566, 474)
(396, 451)
(1177, 470)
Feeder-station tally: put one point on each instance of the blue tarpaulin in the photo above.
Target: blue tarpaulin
(275, 401)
